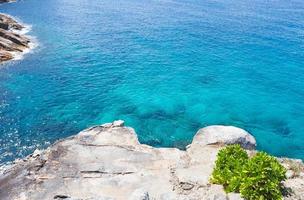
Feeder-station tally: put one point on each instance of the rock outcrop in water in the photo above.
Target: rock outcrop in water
(12, 41)
(108, 162)
(6, 1)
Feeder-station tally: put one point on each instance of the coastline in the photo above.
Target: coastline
(108, 162)
(33, 44)
(14, 41)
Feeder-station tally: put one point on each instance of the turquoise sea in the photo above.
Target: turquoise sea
(166, 67)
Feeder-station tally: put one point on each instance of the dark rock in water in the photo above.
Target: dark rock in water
(280, 127)
(284, 131)
(206, 79)
(6, 1)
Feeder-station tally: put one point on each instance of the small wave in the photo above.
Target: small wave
(27, 28)
(33, 40)
(32, 45)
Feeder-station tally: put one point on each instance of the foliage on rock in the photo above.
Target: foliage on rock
(229, 163)
(261, 178)
(257, 178)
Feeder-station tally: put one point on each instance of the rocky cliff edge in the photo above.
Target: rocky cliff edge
(107, 162)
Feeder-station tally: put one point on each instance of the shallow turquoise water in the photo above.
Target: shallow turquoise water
(166, 67)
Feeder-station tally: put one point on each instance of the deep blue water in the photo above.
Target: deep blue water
(166, 67)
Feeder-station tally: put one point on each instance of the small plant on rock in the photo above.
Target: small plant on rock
(261, 178)
(257, 178)
(228, 167)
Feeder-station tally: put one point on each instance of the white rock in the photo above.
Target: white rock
(286, 165)
(107, 125)
(36, 153)
(234, 196)
(118, 123)
(220, 197)
(216, 192)
(139, 194)
(224, 135)
(290, 174)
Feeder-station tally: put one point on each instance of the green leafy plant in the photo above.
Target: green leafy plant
(257, 178)
(228, 167)
(261, 178)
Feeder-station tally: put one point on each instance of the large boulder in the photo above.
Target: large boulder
(217, 135)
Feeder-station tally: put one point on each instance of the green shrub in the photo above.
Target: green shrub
(228, 167)
(257, 178)
(261, 178)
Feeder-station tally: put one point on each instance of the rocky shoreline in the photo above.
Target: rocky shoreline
(12, 41)
(7, 1)
(108, 162)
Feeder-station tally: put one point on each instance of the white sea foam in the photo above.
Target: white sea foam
(25, 30)
(33, 41)
(32, 45)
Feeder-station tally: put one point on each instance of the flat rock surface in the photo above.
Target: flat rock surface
(108, 162)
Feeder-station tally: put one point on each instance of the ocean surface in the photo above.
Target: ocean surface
(166, 67)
